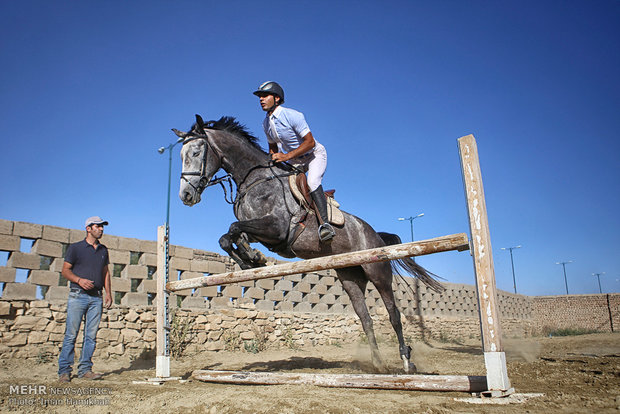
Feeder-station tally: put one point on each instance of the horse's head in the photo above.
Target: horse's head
(199, 160)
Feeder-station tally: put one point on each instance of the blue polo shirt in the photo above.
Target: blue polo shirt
(88, 262)
(286, 127)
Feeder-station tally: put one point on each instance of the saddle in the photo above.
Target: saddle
(301, 191)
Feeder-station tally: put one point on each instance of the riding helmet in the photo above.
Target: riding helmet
(272, 88)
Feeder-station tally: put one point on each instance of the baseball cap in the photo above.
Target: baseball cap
(95, 220)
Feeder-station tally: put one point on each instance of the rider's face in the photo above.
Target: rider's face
(267, 101)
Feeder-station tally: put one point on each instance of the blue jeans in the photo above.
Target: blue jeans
(80, 306)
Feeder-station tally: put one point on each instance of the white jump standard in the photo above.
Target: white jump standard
(495, 383)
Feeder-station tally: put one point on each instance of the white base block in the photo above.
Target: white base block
(162, 366)
(497, 375)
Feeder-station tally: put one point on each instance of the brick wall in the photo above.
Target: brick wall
(599, 312)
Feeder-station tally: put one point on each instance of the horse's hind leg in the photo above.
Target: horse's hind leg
(384, 287)
(354, 283)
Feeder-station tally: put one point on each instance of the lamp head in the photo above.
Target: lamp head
(161, 150)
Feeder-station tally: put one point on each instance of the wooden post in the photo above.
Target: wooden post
(337, 261)
(494, 357)
(162, 363)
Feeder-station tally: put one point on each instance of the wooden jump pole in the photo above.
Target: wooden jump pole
(494, 357)
(370, 381)
(337, 261)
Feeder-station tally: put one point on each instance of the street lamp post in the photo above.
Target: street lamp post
(411, 221)
(163, 355)
(161, 151)
(514, 280)
(564, 267)
(598, 276)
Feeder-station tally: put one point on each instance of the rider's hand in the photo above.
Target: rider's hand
(279, 157)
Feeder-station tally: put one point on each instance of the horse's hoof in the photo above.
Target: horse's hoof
(409, 366)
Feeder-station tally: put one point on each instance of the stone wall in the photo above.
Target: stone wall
(35, 329)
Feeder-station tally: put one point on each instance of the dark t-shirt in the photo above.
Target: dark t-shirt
(88, 262)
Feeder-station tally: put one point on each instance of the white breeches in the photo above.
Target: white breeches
(315, 163)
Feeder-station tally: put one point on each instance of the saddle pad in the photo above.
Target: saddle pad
(333, 211)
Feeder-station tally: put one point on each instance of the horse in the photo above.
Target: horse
(268, 213)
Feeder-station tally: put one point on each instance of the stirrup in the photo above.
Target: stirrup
(326, 232)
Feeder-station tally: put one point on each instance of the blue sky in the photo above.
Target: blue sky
(90, 90)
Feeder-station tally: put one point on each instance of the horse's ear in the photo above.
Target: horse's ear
(179, 133)
(200, 122)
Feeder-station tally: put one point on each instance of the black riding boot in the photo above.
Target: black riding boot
(326, 231)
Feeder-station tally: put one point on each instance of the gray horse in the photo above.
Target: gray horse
(268, 213)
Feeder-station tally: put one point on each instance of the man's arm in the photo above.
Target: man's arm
(68, 274)
(307, 144)
(107, 302)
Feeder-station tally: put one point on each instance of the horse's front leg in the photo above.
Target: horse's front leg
(267, 229)
(228, 245)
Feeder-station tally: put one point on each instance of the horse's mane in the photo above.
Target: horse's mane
(230, 124)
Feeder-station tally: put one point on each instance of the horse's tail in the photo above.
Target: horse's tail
(410, 266)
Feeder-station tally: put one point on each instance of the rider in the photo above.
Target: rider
(289, 138)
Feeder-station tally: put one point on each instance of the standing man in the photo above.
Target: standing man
(290, 139)
(86, 267)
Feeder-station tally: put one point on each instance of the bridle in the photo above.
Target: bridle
(202, 172)
(203, 182)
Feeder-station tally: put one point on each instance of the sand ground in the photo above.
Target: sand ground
(577, 374)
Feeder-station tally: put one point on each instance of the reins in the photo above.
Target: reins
(241, 193)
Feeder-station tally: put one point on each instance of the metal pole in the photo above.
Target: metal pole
(598, 276)
(564, 267)
(168, 194)
(411, 222)
(565, 280)
(514, 280)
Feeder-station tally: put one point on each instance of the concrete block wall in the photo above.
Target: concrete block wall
(34, 257)
(37, 251)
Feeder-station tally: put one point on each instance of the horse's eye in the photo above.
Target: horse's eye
(196, 153)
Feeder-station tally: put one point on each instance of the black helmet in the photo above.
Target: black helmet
(272, 88)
